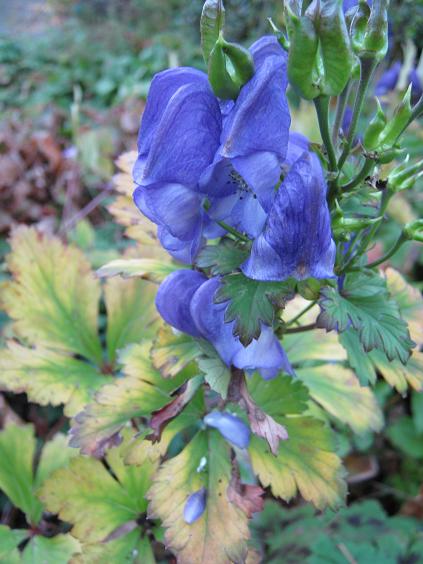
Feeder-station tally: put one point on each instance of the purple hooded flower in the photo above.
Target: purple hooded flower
(185, 301)
(296, 240)
(241, 180)
(231, 427)
(195, 506)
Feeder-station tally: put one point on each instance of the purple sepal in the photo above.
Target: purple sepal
(195, 506)
(231, 427)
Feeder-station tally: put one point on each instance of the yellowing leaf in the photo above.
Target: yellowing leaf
(139, 393)
(131, 313)
(305, 464)
(338, 391)
(96, 502)
(129, 548)
(55, 550)
(410, 302)
(53, 296)
(49, 377)
(171, 352)
(220, 534)
(398, 375)
(146, 268)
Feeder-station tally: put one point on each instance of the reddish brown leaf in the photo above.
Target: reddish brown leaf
(247, 497)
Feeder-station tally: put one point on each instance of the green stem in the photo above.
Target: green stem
(305, 310)
(300, 329)
(340, 111)
(322, 109)
(388, 255)
(233, 231)
(366, 72)
(364, 173)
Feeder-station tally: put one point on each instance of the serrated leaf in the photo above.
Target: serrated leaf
(129, 548)
(55, 550)
(211, 23)
(306, 463)
(410, 302)
(171, 351)
(251, 303)
(398, 375)
(220, 534)
(10, 539)
(131, 314)
(49, 377)
(338, 391)
(364, 305)
(279, 396)
(53, 296)
(95, 501)
(216, 373)
(153, 270)
(223, 258)
(140, 392)
(17, 479)
(358, 359)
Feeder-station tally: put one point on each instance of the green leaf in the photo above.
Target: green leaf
(365, 305)
(171, 352)
(129, 548)
(211, 24)
(140, 392)
(17, 453)
(417, 410)
(220, 534)
(223, 258)
(96, 502)
(147, 268)
(404, 435)
(338, 391)
(306, 463)
(279, 396)
(53, 295)
(358, 359)
(251, 303)
(55, 550)
(49, 377)
(131, 314)
(10, 539)
(216, 373)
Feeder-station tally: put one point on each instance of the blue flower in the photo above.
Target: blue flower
(185, 301)
(296, 240)
(179, 136)
(241, 180)
(231, 427)
(195, 506)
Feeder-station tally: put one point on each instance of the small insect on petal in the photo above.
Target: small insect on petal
(232, 428)
(195, 506)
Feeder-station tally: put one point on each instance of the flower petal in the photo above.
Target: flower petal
(296, 240)
(174, 297)
(231, 427)
(183, 251)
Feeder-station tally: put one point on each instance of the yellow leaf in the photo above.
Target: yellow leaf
(220, 534)
(305, 464)
(400, 376)
(172, 352)
(53, 296)
(148, 269)
(338, 391)
(49, 377)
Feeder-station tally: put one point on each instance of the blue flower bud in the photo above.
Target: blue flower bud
(195, 506)
(232, 428)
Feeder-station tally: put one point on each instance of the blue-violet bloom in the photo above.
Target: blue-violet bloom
(231, 427)
(195, 506)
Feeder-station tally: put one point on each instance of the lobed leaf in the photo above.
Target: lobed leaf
(55, 550)
(49, 377)
(364, 304)
(251, 303)
(339, 392)
(53, 296)
(10, 539)
(216, 373)
(223, 258)
(173, 351)
(220, 534)
(306, 463)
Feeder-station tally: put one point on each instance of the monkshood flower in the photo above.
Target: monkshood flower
(231, 427)
(241, 180)
(185, 301)
(390, 77)
(296, 240)
(178, 138)
(195, 506)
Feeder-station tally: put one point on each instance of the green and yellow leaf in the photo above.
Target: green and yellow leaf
(171, 351)
(221, 533)
(55, 550)
(150, 269)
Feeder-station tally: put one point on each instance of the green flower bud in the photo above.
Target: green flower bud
(413, 231)
(398, 123)
(358, 18)
(374, 129)
(350, 225)
(389, 155)
(404, 177)
(241, 60)
(375, 42)
(220, 80)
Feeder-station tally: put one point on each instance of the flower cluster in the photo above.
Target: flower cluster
(206, 166)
